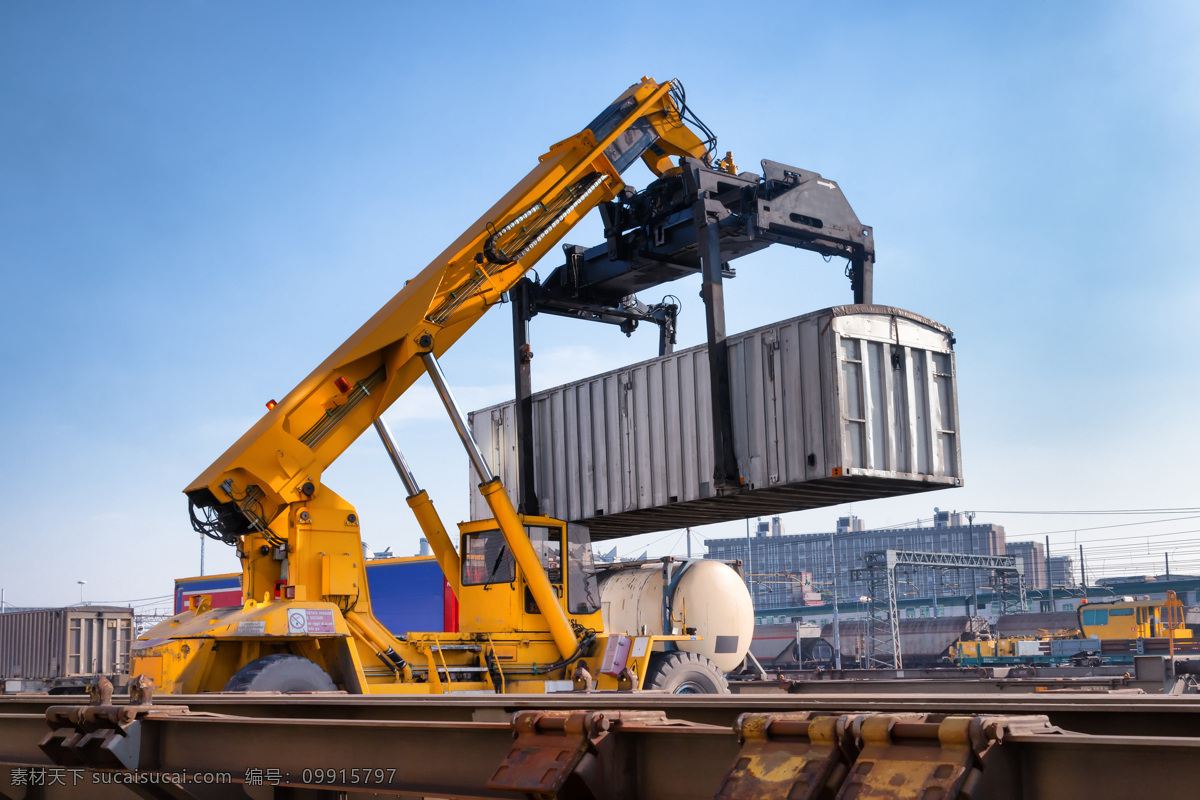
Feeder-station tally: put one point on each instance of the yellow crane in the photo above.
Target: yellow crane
(529, 607)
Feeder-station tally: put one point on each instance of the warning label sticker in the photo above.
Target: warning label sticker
(310, 620)
(252, 627)
(320, 620)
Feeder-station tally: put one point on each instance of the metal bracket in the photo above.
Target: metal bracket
(900, 758)
(568, 753)
(788, 757)
(806, 756)
(100, 737)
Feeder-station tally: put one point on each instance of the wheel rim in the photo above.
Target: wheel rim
(689, 687)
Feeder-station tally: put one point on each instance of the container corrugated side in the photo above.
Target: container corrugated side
(45, 644)
(33, 644)
(922, 641)
(845, 404)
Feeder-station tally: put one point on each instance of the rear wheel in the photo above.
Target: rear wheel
(678, 672)
(281, 672)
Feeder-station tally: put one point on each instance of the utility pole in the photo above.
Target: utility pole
(974, 579)
(689, 541)
(837, 628)
(202, 538)
(1049, 573)
(1167, 556)
(749, 564)
(1082, 571)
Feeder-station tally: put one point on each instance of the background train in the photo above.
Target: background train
(924, 642)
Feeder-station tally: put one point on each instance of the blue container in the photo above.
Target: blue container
(407, 594)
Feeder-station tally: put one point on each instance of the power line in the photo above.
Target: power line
(156, 599)
(1106, 527)
(1097, 512)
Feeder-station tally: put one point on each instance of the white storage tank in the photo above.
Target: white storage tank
(841, 405)
(707, 598)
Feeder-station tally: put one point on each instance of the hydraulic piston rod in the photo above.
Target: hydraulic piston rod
(426, 514)
(508, 521)
(457, 418)
(389, 443)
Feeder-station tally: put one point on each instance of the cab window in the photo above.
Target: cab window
(583, 593)
(1095, 616)
(547, 543)
(486, 559)
(1121, 612)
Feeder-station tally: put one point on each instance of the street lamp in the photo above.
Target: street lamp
(81, 585)
(837, 628)
(974, 587)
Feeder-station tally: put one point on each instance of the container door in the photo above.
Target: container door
(75, 647)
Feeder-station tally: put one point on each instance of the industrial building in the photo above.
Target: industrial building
(1032, 555)
(774, 560)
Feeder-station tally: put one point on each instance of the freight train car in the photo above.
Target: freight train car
(923, 642)
(407, 594)
(63, 650)
(791, 647)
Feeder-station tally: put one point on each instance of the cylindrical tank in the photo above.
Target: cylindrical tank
(707, 596)
(815, 653)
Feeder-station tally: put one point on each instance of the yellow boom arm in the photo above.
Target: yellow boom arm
(281, 459)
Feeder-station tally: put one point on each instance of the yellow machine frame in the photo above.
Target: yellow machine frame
(303, 573)
(1129, 618)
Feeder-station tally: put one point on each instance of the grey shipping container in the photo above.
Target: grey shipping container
(53, 644)
(841, 405)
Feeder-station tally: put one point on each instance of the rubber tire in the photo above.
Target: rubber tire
(281, 672)
(678, 672)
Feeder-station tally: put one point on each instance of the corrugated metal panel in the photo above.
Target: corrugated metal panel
(65, 642)
(864, 391)
(923, 642)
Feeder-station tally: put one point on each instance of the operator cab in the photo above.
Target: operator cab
(495, 593)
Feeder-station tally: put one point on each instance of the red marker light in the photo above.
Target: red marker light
(271, 404)
(342, 384)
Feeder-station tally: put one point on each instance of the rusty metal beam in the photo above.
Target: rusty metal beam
(631, 754)
(1104, 766)
(1085, 712)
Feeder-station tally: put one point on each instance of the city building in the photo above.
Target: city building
(1062, 571)
(1032, 556)
(773, 560)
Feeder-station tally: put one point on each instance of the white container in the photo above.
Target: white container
(1030, 648)
(842, 405)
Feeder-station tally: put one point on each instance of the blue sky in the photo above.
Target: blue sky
(199, 201)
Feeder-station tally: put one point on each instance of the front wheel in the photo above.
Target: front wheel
(678, 672)
(281, 672)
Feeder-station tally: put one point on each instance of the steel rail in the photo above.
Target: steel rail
(651, 760)
(1085, 712)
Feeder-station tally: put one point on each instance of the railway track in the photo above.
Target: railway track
(1061, 745)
